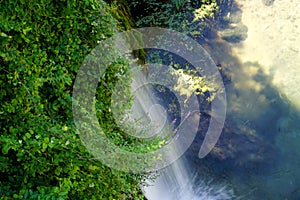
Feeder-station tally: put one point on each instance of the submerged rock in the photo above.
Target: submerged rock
(268, 2)
(235, 34)
(239, 145)
(231, 27)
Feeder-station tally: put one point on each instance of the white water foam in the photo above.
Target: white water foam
(177, 181)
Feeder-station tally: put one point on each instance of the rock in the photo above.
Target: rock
(268, 2)
(235, 34)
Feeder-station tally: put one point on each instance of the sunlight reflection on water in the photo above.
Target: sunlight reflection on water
(266, 91)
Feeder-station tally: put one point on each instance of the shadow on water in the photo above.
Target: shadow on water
(256, 154)
(246, 151)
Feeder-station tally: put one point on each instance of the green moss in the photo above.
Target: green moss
(121, 12)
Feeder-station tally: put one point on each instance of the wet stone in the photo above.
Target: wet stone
(235, 34)
(268, 2)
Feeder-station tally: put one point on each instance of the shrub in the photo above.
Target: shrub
(189, 17)
(43, 43)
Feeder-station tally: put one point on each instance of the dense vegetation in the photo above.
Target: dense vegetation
(189, 17)
(43, 43)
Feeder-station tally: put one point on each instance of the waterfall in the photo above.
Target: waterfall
(178, 180)
(262, 54)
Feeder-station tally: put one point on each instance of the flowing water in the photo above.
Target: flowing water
(263, 98)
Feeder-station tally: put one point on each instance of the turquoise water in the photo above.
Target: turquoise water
(257, 156)
(263, 99)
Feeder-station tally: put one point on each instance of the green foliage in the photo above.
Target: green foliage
(179, 4)
(192, 18)
(43, 43)
(189, 18)
(105, 89)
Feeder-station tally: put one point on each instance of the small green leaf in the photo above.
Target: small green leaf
(6, 148)
(3, 35)
(44, 146)
(28, 135)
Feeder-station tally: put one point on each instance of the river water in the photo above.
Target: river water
(264, 95)
(258, 154)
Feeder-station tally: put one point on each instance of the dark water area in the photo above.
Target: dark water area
(254, 45)
(254, 154)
